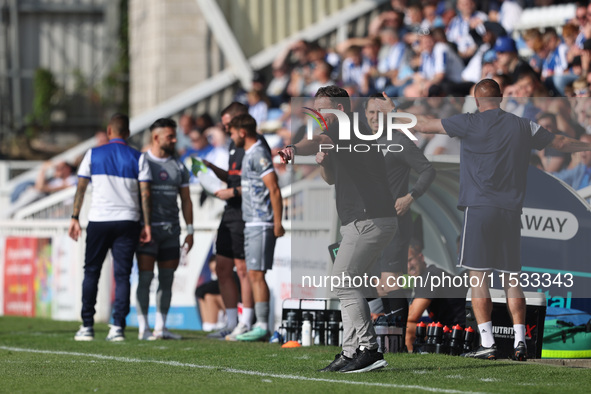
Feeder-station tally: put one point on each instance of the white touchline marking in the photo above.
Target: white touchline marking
(231, 370)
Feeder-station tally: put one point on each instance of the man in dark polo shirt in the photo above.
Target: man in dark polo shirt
(368, 222)
(494, 157)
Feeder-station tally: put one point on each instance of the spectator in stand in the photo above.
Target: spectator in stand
(388, 19)
(569, 35)
(295, 59)
(354, 68)
(320, 78)
(414, 14)
(508, 62)
(430, 18)
(392, 57)
(439, 64)
(503, 80)
(294, 56)
(186, 124)
(520, 94)
(476, 70)
(533, 40)
(579, 176)
(581, 88)
(202, 149)
(371, 49)
(203, 122)
(100, 138)
(555, 65)
(258, 105)
(200, 146)
(458, 30)
(586, 60)
(217, 138)
(28, 192)
(586, 28)
(552, 159)
(581, 20)
(508, 16)
(258, 81)
(63, 177)
(277, 89)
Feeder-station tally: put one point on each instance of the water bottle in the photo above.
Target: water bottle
(333, 330)
(455, 344)
(306, 331)
(438, 333)
(468, 339)
(319, 329)
(442, 346)
(421, 331)
(431, 334)
(291, 327)
(183, 260)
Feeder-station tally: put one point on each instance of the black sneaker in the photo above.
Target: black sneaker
(485, 353)
(519, 353)
(339, 362)
(366, 360)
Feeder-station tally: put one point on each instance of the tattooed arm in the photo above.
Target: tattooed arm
(74, 229)
(569, 145)
(146, 235)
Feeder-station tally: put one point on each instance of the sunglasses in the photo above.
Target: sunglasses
(583, 91)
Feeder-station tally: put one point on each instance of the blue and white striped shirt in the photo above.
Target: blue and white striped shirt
(556, 63)
(441, 60)
(458, 31)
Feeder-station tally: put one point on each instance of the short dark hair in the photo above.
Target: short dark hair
(235, 108)
(543, 115)
(244, 122)
(163, 122)
(120, 124)
(550, 32)
(505, 79)
(374, 96)
(416, 245)
(334, 92)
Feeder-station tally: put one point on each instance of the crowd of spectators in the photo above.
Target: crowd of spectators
(427, 55)
(438, 50)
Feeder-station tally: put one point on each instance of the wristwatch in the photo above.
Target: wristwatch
(236, 194)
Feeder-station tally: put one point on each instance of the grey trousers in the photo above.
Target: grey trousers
(362, 244)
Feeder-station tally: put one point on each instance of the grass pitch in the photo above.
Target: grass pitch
(38, 355)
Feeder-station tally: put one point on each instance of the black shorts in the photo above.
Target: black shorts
(491, 240)
(165, 244)
(211, 287)
(230, 239)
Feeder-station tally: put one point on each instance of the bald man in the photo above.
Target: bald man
(495, 151)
